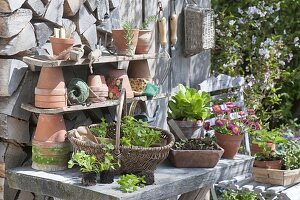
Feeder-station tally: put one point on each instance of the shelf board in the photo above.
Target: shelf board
(107, 103)
(46, 61)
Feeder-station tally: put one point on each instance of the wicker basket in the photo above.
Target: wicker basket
(133, 159)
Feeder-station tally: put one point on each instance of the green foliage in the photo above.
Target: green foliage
(128, 27)
(136, 133)
(87, 163)
(291, 155)
(206, 143)
(147, 21)
(130, 182)
(189, 104)
(238, 195)
(109, 161)
(260, 40)
(100, 131)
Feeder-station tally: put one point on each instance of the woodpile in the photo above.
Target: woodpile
(25, 28)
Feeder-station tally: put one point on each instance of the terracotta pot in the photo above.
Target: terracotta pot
(187, 127)
(89, 178)
(100, 94)
(256, 149)
(96, 81)
(50, 128)
(52, 92)
(51, 78)
(122, 75)
(118, 36)
(144, 42)
(230, 144)
(50, 98)
(139, 69)
(61, 44)
(273, 164)
(44, 104)
(96, 100)
(195, 158)
(50, 156)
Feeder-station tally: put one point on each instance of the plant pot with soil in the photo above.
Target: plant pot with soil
(202, 153)
(188, 108)
(125, 39)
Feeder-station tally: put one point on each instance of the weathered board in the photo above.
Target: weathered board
(12, 23)
(14, 129)
(10, 5)
(23, 41)
(11, 73)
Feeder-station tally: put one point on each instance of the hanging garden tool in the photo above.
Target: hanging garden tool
(162, 27)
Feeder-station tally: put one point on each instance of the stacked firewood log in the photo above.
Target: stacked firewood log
(25, 28)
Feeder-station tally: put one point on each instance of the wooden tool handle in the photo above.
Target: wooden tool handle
(162, 31)
(173, 27)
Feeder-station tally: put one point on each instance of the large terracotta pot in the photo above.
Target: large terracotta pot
(51, 78)
(230, 144)
(256, 149)
(187, 127)
(139, 69)
(61, 44)
(50, 156)
(272, 164)
(98, 85)
(118, 36)
(50, 128)
(144, 42)
(122, 75)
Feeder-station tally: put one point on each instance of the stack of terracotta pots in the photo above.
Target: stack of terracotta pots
(121, 74)
(98, 85)
(51, 91)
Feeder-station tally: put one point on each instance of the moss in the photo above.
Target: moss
(55, 155)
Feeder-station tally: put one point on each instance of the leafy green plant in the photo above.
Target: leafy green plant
(147, 21)
(100, 131)
(87, 163)
(291, 155)
(238, 195)
(196, 144)
(136, 133)
(130, 182)
(189, 104)
(128, 27)
(109, 161)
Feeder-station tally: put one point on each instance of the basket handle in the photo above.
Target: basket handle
(119, 118)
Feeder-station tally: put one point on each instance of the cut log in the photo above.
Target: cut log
(89, 37)
(11, 73)
(25, 93)
(55, 11)
(114, 4)
(21, 42)
(69, 26)
(13, 23)
(102, 9)
(37, 6)
(10, 5)
(84, 19)
(71, 7)
(14, 129)
(91, 4)
(43, 30)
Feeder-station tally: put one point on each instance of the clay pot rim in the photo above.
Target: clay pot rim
(48, 142)
(62, 40)
(121, 29)
(52, 92)
(205, 150)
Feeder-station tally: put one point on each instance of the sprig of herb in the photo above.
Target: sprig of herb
(130, 182)
(100, 130)
(147, 21)
(128, 27)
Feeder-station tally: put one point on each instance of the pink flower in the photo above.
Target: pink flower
(229, 125)
(206, 125)
(219, 123)
(251, 111)
(235, 129)
(257, 126)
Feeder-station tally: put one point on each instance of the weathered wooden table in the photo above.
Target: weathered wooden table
(169, 182)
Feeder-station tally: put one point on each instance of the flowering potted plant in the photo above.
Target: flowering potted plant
(228, 129)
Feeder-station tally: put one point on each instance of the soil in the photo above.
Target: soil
(148, 177)
(196, 144)
(106, 177)
(89, 179)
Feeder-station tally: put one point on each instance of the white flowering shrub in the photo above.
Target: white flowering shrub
(259, 39)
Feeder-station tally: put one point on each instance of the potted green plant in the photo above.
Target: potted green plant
(89, 166)
(130, 182)
(196, 153)
(100, 130)
(145, 35)
(188, 108)
(125, 39)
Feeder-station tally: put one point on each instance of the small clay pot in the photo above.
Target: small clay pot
(50, 98)
(256, 149)
(50, 128)
(272, 164)
(51, 78)
(230, 144)
(96, 81)
(44, 104)
(89, 178)
(52, 92)
(107, 177)
(144, 42)
(119, 41)
(122, 75)
(139, 69)
(61, 44)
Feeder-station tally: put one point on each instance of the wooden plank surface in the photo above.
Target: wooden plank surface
(44, 61)
(107, 103)
(169, 181)
(2, 170)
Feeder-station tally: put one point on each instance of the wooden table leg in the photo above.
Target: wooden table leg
(201, 194)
